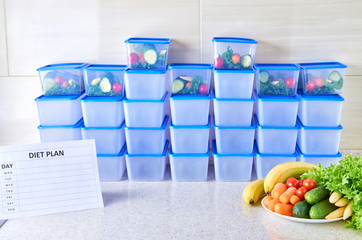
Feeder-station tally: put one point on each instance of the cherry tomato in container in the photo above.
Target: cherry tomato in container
(235, 58)
(319, 82)
(290, 82)
(117, 87)
(309, 184)
(65, 84)
(188, 85)
(301, 192)
(58, 80)
(292, 182)
(203, 89)
(310, 86)
(219, 62)
(133, 58)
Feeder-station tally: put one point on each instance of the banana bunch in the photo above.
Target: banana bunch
(345, 206)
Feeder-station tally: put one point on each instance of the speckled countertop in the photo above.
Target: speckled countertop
(171, 210)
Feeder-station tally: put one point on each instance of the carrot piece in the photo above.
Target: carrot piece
(284, 209)
(285, 197)
(294, 199)
(278, 190)
(266, 201)
(272, 204)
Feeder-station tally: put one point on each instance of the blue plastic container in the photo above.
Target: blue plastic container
(233, 83)
(319, 140)
(276, 110)
(188, 167)
(233, 112)
(276, 140)
(190, 139)
(59, 110)
(323, 77)
(324, 159)
(145, 84)
(235, 140)
(144, 113)
(234, 53)
(321, 110)
(109, 140)
(102, 111)
(276, 79)
(141, 140)
(60, 133)
(104, 80)
(232, 167)
(190, 110)
(190, 79)
(263, 163)
(147, 167)
(111, 167)
(147, 53)
(62, 79)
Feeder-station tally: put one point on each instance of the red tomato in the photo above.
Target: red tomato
(219, 62)
(133, 58)
(203, 88)
(309, 184)
(301, 192)
(319, 82)
(290, 82)
(310, 86)
(235, 58)
(58, 80)
(65, 84)
(292, 182)
(301, 182)
(188, 85)
(117, 87)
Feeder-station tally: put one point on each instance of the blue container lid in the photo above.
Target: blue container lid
(317, 155)
(234, 39)
(77, 125)
(145, 71)
(163, 154)
(215, 153)
(252, 126)
(321, 65)
(277, 66)
(104, 67)
(104, 128)
(149, 40)
(121, 153)
(276, 98)
(236, 71)
(189, 66)
(62, 66)
(258, 154)
(163, 126)
(139, 100)
(102, 99)
(59, 98)
(190, 97)
(172, 154)
(274, 127)
(301, 126)
(324, 97)
(190, 126)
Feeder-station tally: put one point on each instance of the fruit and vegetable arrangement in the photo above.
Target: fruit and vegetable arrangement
(106, 85)
(61, 83)
(279, 85)
(145, 56)
(304, 190)
(184, 85)
(231, 60)
(318, 85)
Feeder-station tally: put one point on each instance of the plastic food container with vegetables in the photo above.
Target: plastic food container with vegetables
(111, 167)
(322, 77)
(104, 80)
(147, 53)
(62, 79)
(234, 53)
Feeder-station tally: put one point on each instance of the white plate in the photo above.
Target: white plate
(305, 220)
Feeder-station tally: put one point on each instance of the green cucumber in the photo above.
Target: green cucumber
(338, 85)
(177, 85)
(48, 83)
(316, 195)
(301, 209)
(263, 76)
(149, 53)
(246, 61)
(335, 76)
(322, 209)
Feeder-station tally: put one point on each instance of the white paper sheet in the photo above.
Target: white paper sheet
(48, 178)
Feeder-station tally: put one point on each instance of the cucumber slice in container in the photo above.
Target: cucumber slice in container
(105, 85)
(246, 61)
(335, 76)
(149, 53)
(177, 85)
(263, 76)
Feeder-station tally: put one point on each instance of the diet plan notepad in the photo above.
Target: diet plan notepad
(48, 178)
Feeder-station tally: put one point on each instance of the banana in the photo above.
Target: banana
(335, 196)
(342, 202)
(336, 213)
(254, 191)
(281, 172)
(348, 210)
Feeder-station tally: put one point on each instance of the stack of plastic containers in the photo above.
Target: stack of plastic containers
(144, 108)
(233, 108)
(276, 115)
(190, 126)
(59, 109)
(104, 118)
(320, 111)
